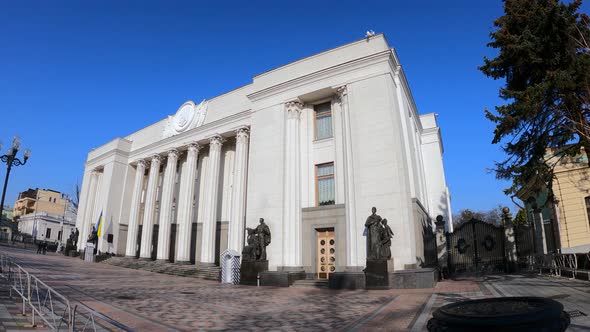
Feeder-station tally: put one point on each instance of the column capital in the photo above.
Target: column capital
(294, 108)
(156, 158)
(140, 162)
(216, 140)
(172, 153)
(242, 134)
(194, 146)
(342, 91)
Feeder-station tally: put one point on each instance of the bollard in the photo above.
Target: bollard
(258, 280)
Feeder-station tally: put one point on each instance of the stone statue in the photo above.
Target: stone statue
(386, 235)
(76, 235)
(374, 245)
(249, 251)
(258, 239)
(263, 233)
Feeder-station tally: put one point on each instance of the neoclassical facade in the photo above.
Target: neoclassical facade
(310, 147)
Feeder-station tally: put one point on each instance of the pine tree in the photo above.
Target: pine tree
(547, 75)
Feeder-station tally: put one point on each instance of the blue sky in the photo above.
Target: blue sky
(76, 74)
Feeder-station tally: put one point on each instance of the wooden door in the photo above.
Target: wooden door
(326, 253)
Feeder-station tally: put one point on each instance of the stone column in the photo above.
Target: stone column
(210, 206)
(87, 221)
(149, 209)
(510, 240)
(292, 196)
(441, 247)
(354, 238)
(166, 206)
(135, 209)
(236, 229)
(185, 204)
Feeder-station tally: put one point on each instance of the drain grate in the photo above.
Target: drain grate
(576, 313)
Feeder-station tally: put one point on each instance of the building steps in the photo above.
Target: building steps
(183, 270)
(311, 283)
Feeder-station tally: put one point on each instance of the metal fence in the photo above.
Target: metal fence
(575, 265)
(44, 304)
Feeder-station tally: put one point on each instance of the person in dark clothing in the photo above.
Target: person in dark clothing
(44, 247)
(39, 247)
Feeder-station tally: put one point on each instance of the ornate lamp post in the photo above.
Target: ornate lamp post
(10, 160)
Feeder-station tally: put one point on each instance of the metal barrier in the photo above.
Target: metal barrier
(50, 306)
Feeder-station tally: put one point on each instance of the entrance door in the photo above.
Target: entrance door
(326, 254)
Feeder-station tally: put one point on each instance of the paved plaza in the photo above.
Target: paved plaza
(148, 301)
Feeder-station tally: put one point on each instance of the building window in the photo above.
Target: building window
(587, 199)
(48, 233)
(326, 195)
(323, 121)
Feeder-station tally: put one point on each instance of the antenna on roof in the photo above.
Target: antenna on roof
(369, 34)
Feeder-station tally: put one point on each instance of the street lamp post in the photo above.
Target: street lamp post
(11, 160)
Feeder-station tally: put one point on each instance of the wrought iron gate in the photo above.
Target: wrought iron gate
(476, 247)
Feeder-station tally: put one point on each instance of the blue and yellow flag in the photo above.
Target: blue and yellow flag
(98, 226)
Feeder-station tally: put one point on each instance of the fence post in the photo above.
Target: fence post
(510, 241)
(441, 247)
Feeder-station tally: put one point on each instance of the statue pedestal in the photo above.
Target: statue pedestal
(377, 274)
(249, 271)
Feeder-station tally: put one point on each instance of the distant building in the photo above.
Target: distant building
(40, 200)
(565, 211)
(45, 214)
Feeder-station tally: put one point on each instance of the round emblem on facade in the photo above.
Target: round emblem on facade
(332, 242)
(187, 117)
(332, 269)
(322, 242)
(489, 243)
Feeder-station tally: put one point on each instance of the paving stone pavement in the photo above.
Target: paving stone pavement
(148, 301)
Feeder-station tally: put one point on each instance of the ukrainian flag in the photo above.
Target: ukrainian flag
(98, 226)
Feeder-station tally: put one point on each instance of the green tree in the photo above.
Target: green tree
(520, 218)
(546, 73)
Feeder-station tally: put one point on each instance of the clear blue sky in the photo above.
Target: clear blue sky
(76, 74)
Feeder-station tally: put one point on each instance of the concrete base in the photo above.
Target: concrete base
(290, 268)
(280, 278)
(376, 274)
(412, 279)
(183, 263)
(347, 280)
(249, 271)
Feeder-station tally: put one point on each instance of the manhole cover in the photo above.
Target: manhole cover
(125, 297)
(559, 296)
(576, 313)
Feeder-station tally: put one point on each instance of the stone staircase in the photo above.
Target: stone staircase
(182, 270)
(311, 283)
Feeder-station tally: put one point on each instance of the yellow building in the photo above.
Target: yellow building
(40, 200)
(571, 187)
(569, 210)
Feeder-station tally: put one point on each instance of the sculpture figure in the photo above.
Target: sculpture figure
(263, 238)
(373, 225)
(258, 239)
(386, 235)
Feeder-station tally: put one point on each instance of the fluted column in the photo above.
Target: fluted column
(210, 206)
(149, 208)
(135, 208)
(185, 204)
(353, 236)
(86, 222)
(292, 203)
(166, 206)
(235, 236)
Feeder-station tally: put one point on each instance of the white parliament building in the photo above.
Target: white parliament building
(309, 146)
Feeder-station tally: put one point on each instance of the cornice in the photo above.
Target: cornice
(182, 138)
(327, 72)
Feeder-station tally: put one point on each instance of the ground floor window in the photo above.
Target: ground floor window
(326, 194)
(48, 233)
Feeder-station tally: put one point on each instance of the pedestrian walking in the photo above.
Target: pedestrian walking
(44, 247)
(39, 247)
